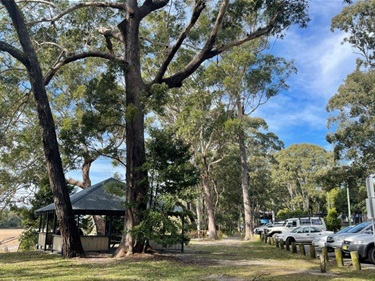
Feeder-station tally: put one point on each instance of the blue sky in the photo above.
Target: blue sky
(297, 115)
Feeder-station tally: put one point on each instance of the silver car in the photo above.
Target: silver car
(320, 241)
(302, 234)
(336, 240)
(363, 244)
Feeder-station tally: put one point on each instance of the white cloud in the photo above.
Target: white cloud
(323, 63)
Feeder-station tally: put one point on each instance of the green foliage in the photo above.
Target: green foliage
(332, 221)
(352, 114)
(161, 227)
(286, 214)
(171, 177)
(28, 239)
(10, 219)
(358, 21)
(297, 173)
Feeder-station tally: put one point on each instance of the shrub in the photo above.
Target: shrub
(332, 220)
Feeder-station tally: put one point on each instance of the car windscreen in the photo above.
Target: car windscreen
(346, 229)
(359, 227)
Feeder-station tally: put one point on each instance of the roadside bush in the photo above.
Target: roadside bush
(28, 239)
(332, 220)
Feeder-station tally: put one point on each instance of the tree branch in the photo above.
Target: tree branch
(176, 79)
(83, 5)
(76, 57)
(14, 52)
(150, 6)
(199, 7)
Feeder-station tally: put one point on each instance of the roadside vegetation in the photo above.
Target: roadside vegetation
(227, 259)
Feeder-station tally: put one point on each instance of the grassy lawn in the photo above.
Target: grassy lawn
(202, 260)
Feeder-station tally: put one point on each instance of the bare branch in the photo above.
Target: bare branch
(76, 57)
(77, 7)
(75, 182)
(199, 7)
(37, 1)
(14, 52)
(150, 6)
(109, 31)
(208, 53)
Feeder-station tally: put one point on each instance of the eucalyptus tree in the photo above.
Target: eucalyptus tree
(165, 42)
(201, 117)
(297, 172)
(24, 52)
(352, 109)
(90, 120)
(260, 147)
(249, 78)
(358, 20)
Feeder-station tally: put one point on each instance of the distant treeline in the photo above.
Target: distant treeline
(9, 219)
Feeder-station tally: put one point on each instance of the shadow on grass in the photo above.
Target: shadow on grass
(201, 261)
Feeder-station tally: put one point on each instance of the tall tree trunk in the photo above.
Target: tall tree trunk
(136, 174)
(72, 246)
(212, 233)
(98, 220)
(248, 227)
(199, 216)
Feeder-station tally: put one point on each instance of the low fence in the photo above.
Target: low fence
(300, 248)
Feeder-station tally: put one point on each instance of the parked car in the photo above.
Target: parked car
(261, 229)
(336, 240)
(363, 244)
(303, 234)
(320, 241)
(293, 223)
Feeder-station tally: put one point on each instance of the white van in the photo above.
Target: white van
(292, 223)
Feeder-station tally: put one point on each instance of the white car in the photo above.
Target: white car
(302, 234)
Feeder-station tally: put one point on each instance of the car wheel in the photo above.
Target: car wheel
(274, 235)
(290, 240)
(371, 255)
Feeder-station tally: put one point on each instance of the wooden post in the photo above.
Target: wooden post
(294, 247)
(287, 245)
(282, 244)
(355, 260)
(325, 253)
(302, 249)
(323, 264)
(270, 240)
(273, 241)
(339, 258)
(277, 243)
(312, 252)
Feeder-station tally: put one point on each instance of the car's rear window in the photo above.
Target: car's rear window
(316, 221)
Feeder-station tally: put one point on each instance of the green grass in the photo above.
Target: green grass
(201, 261)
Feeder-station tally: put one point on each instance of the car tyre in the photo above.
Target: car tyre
(290, 240)
(371, 255)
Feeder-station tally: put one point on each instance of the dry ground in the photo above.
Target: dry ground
(9, 239)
